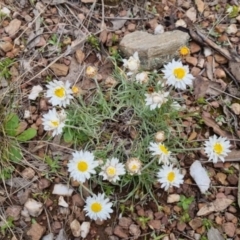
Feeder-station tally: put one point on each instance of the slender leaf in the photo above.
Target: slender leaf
(11, 125)
(27, 135)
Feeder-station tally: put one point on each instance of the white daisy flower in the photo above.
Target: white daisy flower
(134, 166)
(59, 93)
(112, 169)
(160, 150)
(177, 75)
(132, 64)
(169, 177)
(54, 121)
(217, 148)
(156, 99)
(98, 207)
(142, 77)
(82, 166)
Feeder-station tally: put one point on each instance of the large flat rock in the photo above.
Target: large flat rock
(153, 50)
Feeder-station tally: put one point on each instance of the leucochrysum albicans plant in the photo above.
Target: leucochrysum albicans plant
(143, 103)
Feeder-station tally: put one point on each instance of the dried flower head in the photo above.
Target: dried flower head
(91, 72)
(132, 64)
(160, 136)
(134, 166)
(142, 77)
(184, 51)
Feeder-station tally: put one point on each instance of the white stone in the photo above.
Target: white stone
(232, 29)
(172, 198)
(75, 228)
(27, 114)
(207, 51)
(200, 176)
(35, 92)
(153, 50)
(180, 23)
(50, 236)
(85, 228)
(62, 202)
(33, 207)
(236, 108)
(159, 29)
(62, 189)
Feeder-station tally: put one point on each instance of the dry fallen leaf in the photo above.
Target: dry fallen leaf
(192, 14)
(234, 155)
(214, 234)
(200, 87)
(211, 123)
(200, 5)
(118, 23)
(216, 206)
(235, 69)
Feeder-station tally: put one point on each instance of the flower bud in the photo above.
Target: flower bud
(160, 136)
(91, 72)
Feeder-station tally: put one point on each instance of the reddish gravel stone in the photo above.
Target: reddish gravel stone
(118, 231)
(125, 222)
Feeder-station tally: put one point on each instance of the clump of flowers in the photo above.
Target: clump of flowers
(54, 121)
(177, 75)
(59, 93)
(161, 151)
(156, 99)
(217, 148)
(112, 169)
(132, 64)
(134, 166)
(82, 165)
(98, 207)
(169, 176)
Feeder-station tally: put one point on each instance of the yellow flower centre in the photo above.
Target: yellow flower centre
(171, 176)
(96, 207)
(184, 51)
(134, 167)
(218, 148)
(55, 123)
(111, 171)
(82, 166)
(179, 73)
(59, 92)
(163, 149)
(75, 89)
